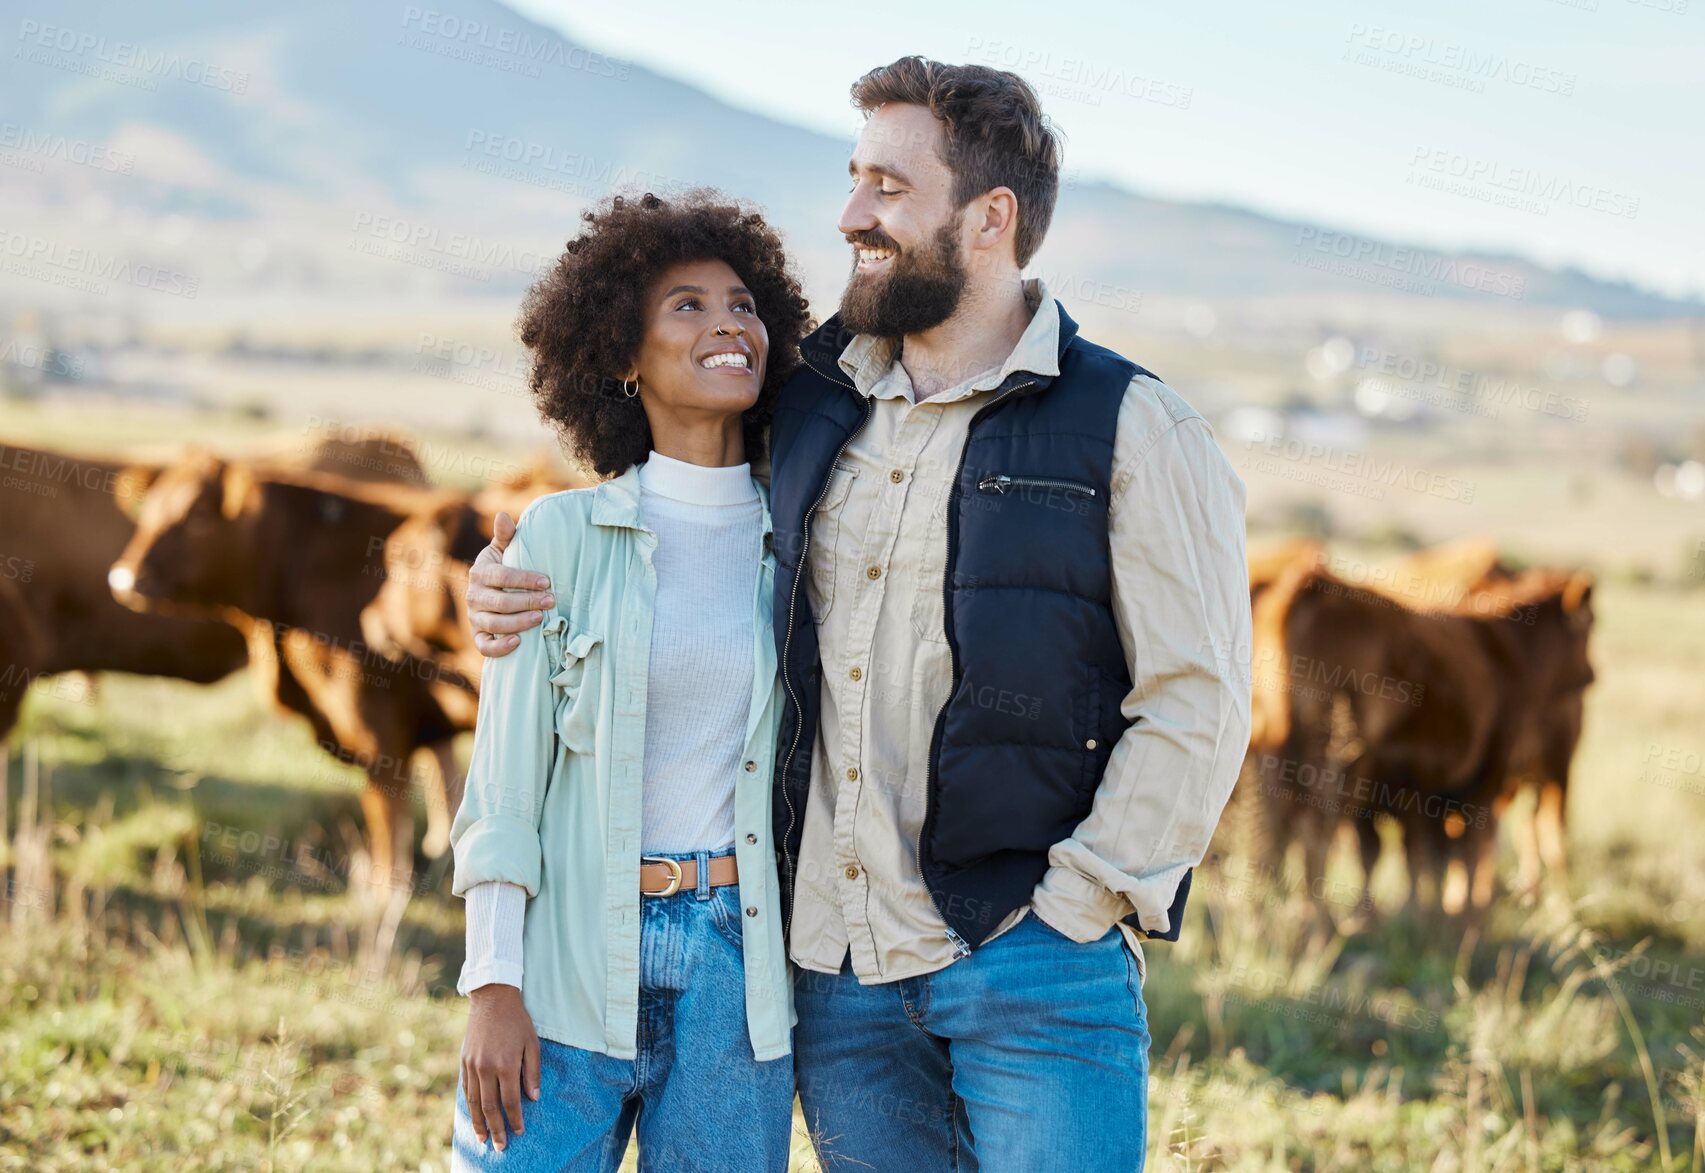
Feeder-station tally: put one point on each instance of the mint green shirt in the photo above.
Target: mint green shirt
(553, 797)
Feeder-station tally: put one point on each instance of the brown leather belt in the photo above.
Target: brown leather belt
(665, 877)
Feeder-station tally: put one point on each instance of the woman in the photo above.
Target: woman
(625, 960)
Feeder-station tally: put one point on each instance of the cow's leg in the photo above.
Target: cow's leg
(1368, 846)
(1426, 859)
(442, 782)
(1318, 831)
(1277, 808)
(1548, 818)
(390, 834)
(1480, 849)
(1528, 855)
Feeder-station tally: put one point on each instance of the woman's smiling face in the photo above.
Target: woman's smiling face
(705, 346)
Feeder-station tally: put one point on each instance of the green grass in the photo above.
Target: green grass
(202, 991)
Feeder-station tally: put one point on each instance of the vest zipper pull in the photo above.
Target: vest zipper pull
(960, 948)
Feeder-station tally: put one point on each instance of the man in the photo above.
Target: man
(1009, 562)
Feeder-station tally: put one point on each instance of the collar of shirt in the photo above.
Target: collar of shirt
(697, 484)
(615, 502)
(872, 364)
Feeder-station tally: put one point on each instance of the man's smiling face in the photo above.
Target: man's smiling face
(908, 271)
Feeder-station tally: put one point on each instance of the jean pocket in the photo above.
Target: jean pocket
(570, 649)
(725, 914)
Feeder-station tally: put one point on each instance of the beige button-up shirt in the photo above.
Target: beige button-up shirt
(875, 584)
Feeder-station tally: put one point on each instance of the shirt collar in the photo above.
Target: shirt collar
(616, 501)
(869, 359)
(696, 484)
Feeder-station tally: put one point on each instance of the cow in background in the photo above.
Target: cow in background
(422, 609)
(1426, 717)
(65, 520)
(298, 555)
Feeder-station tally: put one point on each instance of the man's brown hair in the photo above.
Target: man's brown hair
(996, 134)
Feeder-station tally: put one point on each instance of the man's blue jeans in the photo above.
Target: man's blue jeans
(1029, 1055)
(698, 1098)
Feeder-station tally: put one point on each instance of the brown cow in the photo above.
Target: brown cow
(68, 517)
(300, 555)
(64, 521)
(20, 652)
(422, 609)
(1470, 577)
(1425, 717)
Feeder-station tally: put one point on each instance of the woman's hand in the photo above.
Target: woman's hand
(500, 1052)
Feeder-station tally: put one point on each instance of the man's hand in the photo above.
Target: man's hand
(501, 599)
(501, 1050)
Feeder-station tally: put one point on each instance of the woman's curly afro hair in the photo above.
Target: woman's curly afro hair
(585, 320)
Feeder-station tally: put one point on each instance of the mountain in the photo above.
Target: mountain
(326, 145)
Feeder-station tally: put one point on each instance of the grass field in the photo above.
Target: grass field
(185, 981)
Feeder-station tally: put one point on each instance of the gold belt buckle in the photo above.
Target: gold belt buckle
(674, 867)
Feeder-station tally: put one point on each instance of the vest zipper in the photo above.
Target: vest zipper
(1001, 482)
(786, 662)
(960, 947)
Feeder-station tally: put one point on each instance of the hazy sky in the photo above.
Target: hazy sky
(1571, 131)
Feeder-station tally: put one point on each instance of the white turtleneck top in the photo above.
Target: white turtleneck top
(709, 527)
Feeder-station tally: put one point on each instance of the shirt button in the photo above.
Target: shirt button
(896, 475)
(857, 674)
(751, 910)
(875, 572)
(751, 766)
(852, 773)
(852, 871)
(751, 838)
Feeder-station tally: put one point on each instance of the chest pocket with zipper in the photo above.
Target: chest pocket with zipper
(574, 677)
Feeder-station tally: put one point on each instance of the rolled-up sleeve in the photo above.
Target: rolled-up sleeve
(495, 835)
(1181, 598)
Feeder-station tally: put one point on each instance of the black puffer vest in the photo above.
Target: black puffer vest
(1038, 670)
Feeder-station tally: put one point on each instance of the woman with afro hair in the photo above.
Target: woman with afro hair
(625, 963)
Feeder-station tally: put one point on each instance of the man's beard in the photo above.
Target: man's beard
(920, 293)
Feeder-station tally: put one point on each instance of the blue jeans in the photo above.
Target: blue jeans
(698, 1098)
(1027, 1056)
